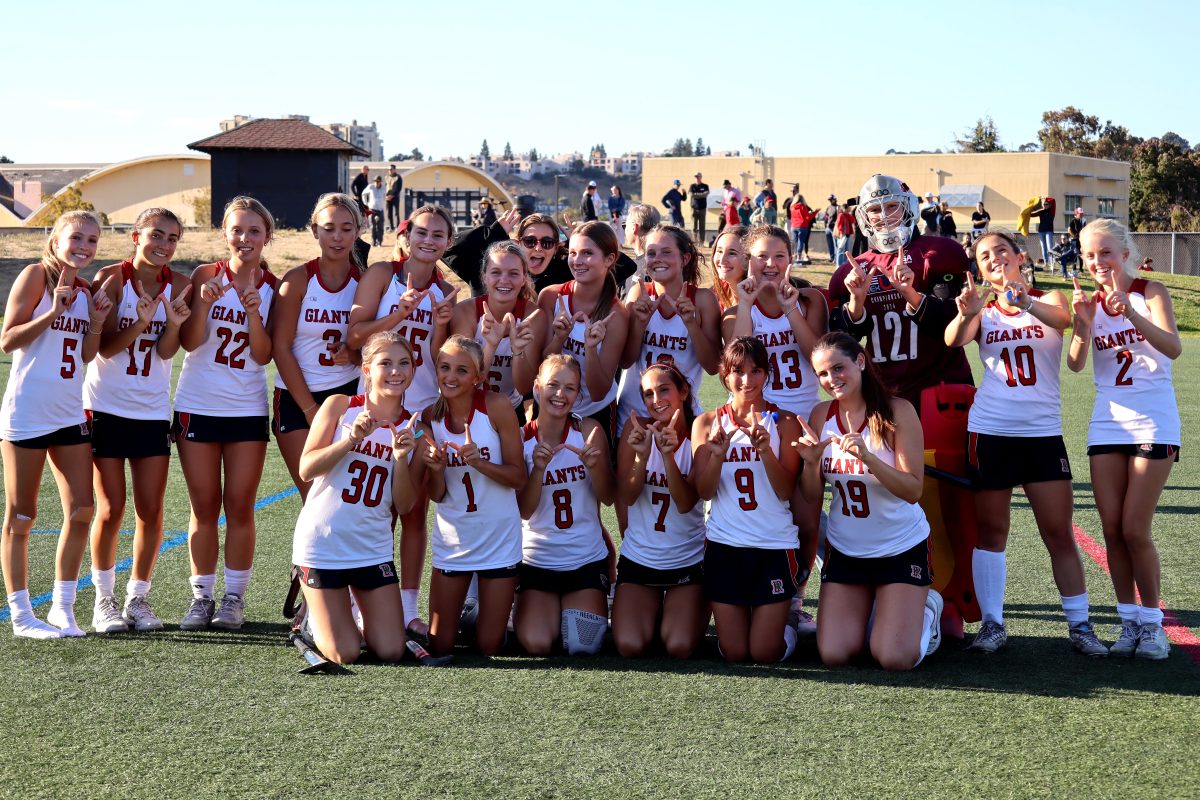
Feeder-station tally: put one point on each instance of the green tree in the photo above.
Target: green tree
(508, 154)
(416, 155)
(6, 160)
(1164, 186)
(201, 203)
(1069, 131)
(984, 138)
(484, 152)
(69, 199)
(700, 146)
(533, 154)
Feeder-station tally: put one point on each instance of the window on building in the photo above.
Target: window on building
(1108, 207)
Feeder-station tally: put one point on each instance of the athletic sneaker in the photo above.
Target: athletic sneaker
(232, 613)
(1126, 644)
(106, 616)
(470, 614)
(935, 603)
(1152, 643)
(139, 615)
(805, 625)
(991, 637)
(1083, 637)
(198, 615)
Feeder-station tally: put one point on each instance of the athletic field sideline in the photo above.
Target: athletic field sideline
(226, 715)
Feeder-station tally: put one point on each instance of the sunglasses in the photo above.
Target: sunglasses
(531, 242)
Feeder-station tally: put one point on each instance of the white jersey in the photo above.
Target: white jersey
(564, 532)
(1135, 396)
(666, 340)
(324, 318)
(135, 383)
(348, 518)
(658, 535)
(417, 327)
(865, 519)
(792, 384)
(500, 371)
(585, 405)
(745, 511)
(220, 378)
(478, 521)
(1019, 394)
(44, 384)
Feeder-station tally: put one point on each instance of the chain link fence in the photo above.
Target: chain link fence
(1173, 253)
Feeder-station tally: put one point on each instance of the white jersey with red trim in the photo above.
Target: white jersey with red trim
(1135, 394)
(745, 511)
(417, 327)
(478, 521)
(323, 320)
(585, 405)
(659, 536)
(500, 371)
(666, 339)
(46, 378)
(348, 518)
(865, 519)
(791, 384)
(135, 383)
(220, 378)
(564, 531)
(1019, 394)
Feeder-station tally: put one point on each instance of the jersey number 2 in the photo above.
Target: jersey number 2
(239, 341)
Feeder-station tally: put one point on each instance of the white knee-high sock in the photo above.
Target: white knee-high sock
(789, 642)
(105, 581)
(202, 586)
(1149, 616)
(236, 581)
(991, 572)
(1075, 608)
(136, 588)
(1128, 612)
(408, 599)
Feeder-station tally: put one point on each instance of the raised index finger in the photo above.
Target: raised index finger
(804, 426)
(1075, 281)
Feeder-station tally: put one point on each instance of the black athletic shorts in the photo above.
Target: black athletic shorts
(589, 576)
(201, 428)
(63, 437)
(750, 576)
(289, 417)
(484, 574)
(115, 436)
(365, 578)
(1151, 452)
(913, 567)
(1002, 462)
(629, 571)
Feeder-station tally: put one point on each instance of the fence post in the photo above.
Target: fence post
(1172, 252)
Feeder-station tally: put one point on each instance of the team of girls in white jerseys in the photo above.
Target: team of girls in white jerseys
(520, 414)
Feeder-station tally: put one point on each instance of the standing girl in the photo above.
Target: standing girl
(586, 320)
(357, 459)
(506, 322)
(660, 576)
(671, 320)
(729, 260)
(1019, 334)
(1135, 434)
(308, 329)
(410, 295)
(127, 393)
(221, 411)
(876, 575)
(52, 326)
(744, 463)
(474, 466)
(564, 569)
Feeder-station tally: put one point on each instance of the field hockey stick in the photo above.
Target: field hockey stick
(422, 655)
(949, 477)
(317, 663)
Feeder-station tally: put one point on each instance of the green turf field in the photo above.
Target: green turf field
(219, 715)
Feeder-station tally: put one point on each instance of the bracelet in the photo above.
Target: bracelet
(310, 408)
(1027, 306)
(787, 311)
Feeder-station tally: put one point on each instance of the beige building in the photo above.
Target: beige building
(1005, 182)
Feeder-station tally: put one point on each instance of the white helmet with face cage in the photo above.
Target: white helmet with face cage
(886, 213)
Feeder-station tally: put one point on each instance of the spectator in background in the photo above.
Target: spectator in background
(770, 212)
(728, 193)
(844, 230)
(487, 214)
(929, 215)
(969, 249)
(673, 201)
(980, 219)
(731, 217)
(394, 185)
(745, 211)
(829, 217)
(1044, 211)
(946, 226)
(374, 197)
(768, 192)
(1075, 226)
(642, 219)
(801, 219)
(1066, 254)
(587, 206)
(616, 204)
(1145, 265)
(359, 185)
(698, 194)
(786, 208)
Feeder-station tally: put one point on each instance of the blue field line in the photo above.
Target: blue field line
(171, 540)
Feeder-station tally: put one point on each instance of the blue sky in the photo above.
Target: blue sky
(107, 82)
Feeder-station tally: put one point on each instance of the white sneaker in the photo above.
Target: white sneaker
(806, 626)
(1152, 643)
(231, 614)
(1127, 642)
(106, 616)
(935, 603)
(198, 616)
(63, 618)
(139, 615)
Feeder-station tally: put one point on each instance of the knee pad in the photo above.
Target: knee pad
(583, 632)
(82, 513)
